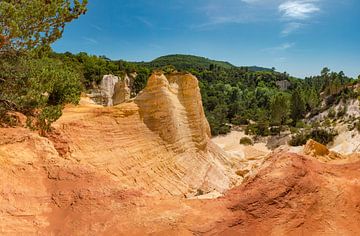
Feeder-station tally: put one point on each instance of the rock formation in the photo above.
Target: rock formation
(171, 106)
(160, 143)
(112, 91)
(122, 91)
(321, 152)
(292, 195)
(107, 89)
(127, 170)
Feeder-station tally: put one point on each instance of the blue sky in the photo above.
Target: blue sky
(296, 36)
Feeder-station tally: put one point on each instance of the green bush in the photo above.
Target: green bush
(342, 112)
(319, 135)
(300, 124)
(322, 136)
(275, 130)
(299, 139)
(239, 120)
(38, 88)
(246, 141)
(259, 129)
(332, 113)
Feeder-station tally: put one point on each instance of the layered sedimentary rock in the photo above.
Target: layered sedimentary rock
(171, 106)
(42, 193)
(115, 171)
(293, 195)
(122, 91)
(160, 143)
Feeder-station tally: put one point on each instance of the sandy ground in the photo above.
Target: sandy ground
(346, 142)
(230, 143)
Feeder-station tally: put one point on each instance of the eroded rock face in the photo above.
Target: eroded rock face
(112, 91)
(321, 152)
(161, 142)
(122, 91)
(42, 193)
(171, 106)
(293, 195)
(114, 171)
(107, 89)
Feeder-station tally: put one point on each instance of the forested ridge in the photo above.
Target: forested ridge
(265, 101)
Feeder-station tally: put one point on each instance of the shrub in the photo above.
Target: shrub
(294, 130)
(275, 130)
(319, 135)
(332, 113)
(260, 129)
(246, 141)
(300, 124)
(342, 112)
(239, 120)
(299, 139)
(322, 136)
(38, 88)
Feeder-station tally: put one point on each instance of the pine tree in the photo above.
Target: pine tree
(298, 108)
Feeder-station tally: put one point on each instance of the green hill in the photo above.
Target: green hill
(184, 62)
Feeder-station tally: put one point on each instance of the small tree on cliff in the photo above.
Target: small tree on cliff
(30, 83)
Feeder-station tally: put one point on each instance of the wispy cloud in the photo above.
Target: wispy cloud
(298, 10)
(220, 12)
(296, 13)
(145, 21)
(280, 48)
(98, 28)
(90, 40)
(291, 27)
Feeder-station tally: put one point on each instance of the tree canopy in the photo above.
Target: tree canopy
(33, 83)
(30, 24)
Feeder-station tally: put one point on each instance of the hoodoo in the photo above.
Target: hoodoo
(171, 106)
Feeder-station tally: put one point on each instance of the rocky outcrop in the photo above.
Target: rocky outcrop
(161, 142)
(171, 106)
(42, 193)
(115, 171)
(293, 195)
(112, 91)
(107, 89)
(283, 84)
(122, 91)
(321, 152)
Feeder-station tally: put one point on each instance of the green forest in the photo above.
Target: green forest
(38, 82)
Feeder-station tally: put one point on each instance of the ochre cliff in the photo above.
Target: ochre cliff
(159, 143)
(125, 170)
(171, 106)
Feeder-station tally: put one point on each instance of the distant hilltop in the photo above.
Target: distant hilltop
(184, 62)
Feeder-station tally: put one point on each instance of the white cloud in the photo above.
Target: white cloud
(293, 14)
(291, 27)
(280, 48)
(298, 9)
